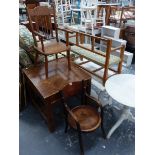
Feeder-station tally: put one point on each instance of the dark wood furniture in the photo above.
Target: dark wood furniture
(84, 117)
(47, 90)
(130, 36)
(31, 4)
(41, 15)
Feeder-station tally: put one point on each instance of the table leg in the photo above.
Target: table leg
(104, 103)
(126, 114)
(50, 117)
(131, 117)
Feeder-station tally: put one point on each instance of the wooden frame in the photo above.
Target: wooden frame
(45, 92)
(41, 15)
(109, 49)
(124, 14)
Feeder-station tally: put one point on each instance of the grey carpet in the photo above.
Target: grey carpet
(35, 139)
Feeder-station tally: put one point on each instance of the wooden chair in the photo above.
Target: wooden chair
(85, 117)
(120, 15)
(43, 16)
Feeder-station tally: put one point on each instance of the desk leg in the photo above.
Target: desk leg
(24, 88)
(50, 117)
(126, 114)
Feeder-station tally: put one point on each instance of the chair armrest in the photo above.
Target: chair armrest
(39, 34)
(41, 37)
(116, 48)
(70, 112)
(39, 51)
(67, 34)
(94, 99)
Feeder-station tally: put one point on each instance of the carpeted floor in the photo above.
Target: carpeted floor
(35, 139)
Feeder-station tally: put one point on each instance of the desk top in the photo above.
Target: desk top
(59, 76)
(121, 88)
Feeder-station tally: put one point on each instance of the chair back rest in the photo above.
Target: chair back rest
(73, 89)
(31, 4)
(89, 3)
(120, 14)
(43, 16)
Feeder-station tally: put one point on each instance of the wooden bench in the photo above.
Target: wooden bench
(92, 54)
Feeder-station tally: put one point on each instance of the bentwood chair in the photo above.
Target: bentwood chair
(84, 117)
(43, 16)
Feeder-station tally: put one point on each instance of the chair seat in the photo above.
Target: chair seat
(52, 47)
(100, 60)
(89, 119)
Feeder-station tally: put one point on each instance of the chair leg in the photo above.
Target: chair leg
(66, 116)
(119, 70)
(36, 58)
(56, 56)
(66, 127)
(102, 128)
(46, 66)
(103, 132)
(80, 140)
(71, 17)
(66, 122)
(105, 75)
(68, 58)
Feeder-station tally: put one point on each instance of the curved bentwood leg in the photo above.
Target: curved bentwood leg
(126, 114)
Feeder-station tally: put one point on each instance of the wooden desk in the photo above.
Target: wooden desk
(47, 90)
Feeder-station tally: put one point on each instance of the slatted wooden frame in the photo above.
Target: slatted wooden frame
(108, 42)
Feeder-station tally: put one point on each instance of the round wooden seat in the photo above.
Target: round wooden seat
(87, 116)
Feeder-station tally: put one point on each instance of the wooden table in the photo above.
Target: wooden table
(47, 90)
